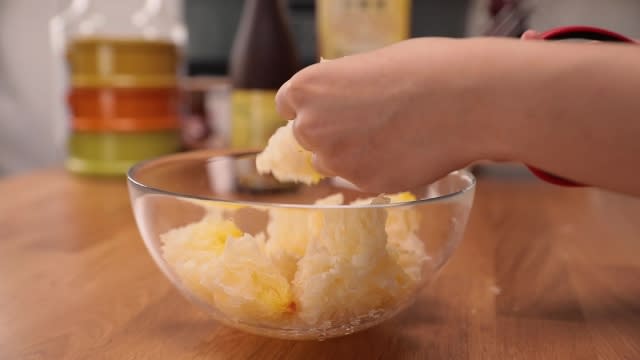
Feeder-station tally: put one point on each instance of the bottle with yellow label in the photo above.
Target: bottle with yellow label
(346, 27)
(263, 58)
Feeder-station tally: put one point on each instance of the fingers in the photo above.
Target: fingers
(530, 35)
(286, 108)
(300, 134)
(283, 102)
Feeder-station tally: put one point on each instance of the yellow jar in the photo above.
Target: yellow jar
(122, 62)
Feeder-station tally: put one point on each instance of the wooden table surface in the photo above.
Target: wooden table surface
(543, 273)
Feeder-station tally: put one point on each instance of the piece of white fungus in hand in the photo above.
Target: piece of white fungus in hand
(286, 160)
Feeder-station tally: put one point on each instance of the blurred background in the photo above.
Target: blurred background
(34, 80)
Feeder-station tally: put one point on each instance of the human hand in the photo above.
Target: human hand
(387, 120)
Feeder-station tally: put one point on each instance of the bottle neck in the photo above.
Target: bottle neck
(166, 8)
(263, 55)
(158, 17)
(79, 6)
(266, 8)
(109, 8)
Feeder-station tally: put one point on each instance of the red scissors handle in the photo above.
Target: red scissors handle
(575, 32)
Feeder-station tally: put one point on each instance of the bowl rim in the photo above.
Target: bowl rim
(221, 153)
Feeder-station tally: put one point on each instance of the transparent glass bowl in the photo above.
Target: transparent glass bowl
(278, 265)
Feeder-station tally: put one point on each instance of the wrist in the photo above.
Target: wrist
(506, 90)
(487, 99)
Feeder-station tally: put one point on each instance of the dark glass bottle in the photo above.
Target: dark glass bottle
(262, 59)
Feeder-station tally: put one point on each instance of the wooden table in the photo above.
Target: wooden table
(544, 273)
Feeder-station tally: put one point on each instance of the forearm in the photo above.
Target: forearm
(570, 109)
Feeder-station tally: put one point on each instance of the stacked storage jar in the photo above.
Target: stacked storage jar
(123, 95)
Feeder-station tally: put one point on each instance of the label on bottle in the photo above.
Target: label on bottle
(346, 27)
(253, 118)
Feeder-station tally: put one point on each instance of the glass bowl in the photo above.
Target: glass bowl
(293, 263)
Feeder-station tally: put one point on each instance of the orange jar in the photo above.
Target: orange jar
(124, 109)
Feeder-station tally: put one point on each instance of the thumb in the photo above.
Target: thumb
(284, 105)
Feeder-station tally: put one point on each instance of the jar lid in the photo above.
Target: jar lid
(123, 81)
(125, 124)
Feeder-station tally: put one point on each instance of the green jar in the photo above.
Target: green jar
(114, 153)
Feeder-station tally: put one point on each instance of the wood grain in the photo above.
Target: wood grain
(543, 273)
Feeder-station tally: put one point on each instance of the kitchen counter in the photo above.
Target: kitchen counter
(543, 272)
